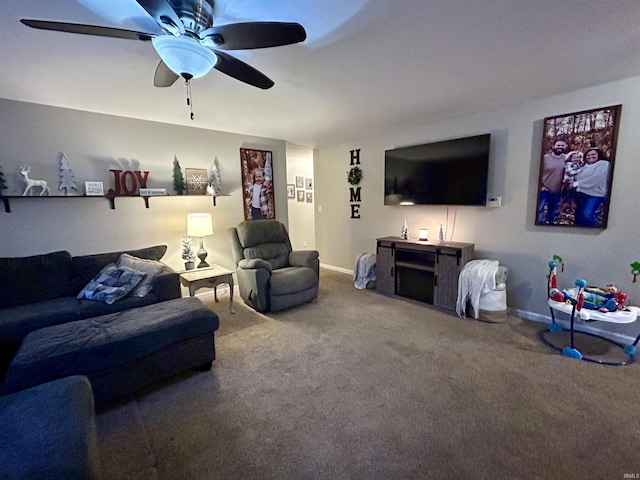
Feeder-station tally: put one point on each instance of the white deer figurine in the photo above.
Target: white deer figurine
(24, 171)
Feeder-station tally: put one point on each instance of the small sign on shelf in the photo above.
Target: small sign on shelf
(93, 189)
(153, 192)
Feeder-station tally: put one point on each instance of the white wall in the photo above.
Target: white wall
(507, 233)
(302, 229)
(95, 143)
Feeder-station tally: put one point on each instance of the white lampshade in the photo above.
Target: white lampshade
(199, 224)
(184, 55)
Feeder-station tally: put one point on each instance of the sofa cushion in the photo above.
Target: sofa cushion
(111, 284)
(25, 280)
(85, 267)
(16, 322)
(148, 268)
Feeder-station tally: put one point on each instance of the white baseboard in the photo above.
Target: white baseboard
(336, 269)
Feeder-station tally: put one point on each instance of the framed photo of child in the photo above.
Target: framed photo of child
(257, 183)
(576, 168)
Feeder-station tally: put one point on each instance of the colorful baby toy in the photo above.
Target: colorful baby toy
(607, 299)
(589, 304)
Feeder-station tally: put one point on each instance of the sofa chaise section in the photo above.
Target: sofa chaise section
(120, 352)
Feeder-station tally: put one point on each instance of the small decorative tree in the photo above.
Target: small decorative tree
(215, 180)
(3, 183)
(188, 253)
(65, 175)
(178, 179)
(404, 233)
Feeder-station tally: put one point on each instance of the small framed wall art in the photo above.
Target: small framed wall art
(308, 182)
(300, 182)
(300, 194)
(291, 190)
(196, 180)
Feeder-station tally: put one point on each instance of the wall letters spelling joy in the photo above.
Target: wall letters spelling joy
(126, 182)
(354, 177)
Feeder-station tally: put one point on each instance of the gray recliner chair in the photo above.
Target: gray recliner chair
(271, 276)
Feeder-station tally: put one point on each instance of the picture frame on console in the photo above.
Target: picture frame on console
(576, 168)
(257, 183)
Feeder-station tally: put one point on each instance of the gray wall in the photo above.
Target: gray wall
(507, 233)
(94, 143)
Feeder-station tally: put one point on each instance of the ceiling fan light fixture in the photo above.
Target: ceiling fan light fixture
(184, 55)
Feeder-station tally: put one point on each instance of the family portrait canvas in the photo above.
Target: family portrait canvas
(576, 168)
(257, 181)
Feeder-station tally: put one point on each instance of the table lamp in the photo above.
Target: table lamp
(199, 225)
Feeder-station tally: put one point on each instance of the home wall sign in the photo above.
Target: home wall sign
(354, 176)
(127, 182)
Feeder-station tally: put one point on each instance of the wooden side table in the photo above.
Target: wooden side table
(208, 277)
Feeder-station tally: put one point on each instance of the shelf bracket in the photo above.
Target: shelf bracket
(7, 207)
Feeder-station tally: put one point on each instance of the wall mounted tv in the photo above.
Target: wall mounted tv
(452, 172)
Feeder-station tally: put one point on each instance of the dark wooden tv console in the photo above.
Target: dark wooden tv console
(423, 271)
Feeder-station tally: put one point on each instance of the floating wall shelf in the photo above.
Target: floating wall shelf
(110, 198)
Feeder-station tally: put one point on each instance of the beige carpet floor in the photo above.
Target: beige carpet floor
(357, 385)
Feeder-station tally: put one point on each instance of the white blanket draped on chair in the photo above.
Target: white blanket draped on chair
(477, 277)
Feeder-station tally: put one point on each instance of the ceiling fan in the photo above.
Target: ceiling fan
(190, 45)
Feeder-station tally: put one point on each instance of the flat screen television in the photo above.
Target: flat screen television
(451, 172)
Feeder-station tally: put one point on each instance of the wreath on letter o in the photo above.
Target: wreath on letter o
(354, 176)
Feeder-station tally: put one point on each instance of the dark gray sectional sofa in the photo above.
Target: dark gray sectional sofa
(40, 291)
(61, 355)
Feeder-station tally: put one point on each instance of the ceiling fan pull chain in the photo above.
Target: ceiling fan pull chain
(189, 102)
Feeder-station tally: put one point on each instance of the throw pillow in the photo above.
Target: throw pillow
(149, 268)
(111, 284)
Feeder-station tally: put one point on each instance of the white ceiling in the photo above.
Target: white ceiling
(366, 66)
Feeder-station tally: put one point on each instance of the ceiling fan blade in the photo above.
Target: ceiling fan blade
(164, 76)
(249, 35)
(164, 14)
(241, 71)
(87, 29)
